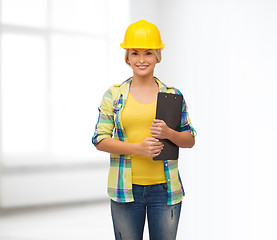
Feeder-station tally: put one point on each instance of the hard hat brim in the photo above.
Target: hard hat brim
(144, 47)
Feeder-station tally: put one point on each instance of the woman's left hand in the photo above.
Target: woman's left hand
(159, 129)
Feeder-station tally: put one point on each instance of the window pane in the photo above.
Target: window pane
(80, 15)
(23, 94)
(79, 69)
(25, 12)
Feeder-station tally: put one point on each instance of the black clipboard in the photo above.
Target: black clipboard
(169, 109)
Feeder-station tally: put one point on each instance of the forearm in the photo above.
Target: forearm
(115, 146)
(181, 139)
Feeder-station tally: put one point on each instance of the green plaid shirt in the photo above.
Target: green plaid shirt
(110, 123)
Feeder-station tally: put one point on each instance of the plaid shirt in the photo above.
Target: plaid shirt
(120, 174)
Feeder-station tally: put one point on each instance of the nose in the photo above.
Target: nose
(141, 59)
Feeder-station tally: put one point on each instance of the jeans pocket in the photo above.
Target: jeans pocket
(164, 186)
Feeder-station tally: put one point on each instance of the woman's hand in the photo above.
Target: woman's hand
(150, 147)
(159, 129)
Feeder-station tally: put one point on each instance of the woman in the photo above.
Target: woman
(137, 185)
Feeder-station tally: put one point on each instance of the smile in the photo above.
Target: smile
(142, 67)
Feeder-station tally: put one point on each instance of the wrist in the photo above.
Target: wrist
(136, 147)
(170, 134)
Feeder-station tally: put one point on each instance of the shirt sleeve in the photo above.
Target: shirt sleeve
(105, 124)
(185, 120)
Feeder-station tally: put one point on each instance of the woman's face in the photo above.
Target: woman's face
(142, 61)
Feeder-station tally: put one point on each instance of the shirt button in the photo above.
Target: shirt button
(168, 180)
(166, 164)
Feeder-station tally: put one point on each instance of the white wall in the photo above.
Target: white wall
(253, 61)
(59, 175)
(196, 61)
(222, 56)
(57, 185)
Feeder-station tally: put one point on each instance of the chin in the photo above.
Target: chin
(143, 73)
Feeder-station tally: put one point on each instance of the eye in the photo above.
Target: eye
(148, 53)
(134, 53)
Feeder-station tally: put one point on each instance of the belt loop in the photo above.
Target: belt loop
(144, 193)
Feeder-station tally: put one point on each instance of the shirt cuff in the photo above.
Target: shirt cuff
(190, 129)
(98, 137)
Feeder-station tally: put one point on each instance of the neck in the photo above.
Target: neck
(143, 82)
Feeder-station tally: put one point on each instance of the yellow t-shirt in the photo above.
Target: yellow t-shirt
(137, 119)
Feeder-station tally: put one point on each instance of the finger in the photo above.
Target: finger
(156, 124)
(154, 135)
(157, 120)
(155, 128)
(159, 123)
(152, 139)
(155, 150)
(157, 135)
(155, 140)
(158, 148)
(158, 143)
(156, 154)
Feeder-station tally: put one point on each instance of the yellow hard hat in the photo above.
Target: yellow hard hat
(142, 34)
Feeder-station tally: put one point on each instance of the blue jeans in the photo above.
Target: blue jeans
(129, 218)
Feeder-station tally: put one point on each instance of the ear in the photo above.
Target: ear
(128, 61)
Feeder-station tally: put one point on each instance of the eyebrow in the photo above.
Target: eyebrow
(144, 50)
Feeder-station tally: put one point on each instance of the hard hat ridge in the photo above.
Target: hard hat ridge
(142, 34)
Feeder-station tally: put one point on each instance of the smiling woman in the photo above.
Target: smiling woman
(142, 61)
(137, 185)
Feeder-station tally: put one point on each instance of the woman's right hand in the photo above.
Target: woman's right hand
(150, 147)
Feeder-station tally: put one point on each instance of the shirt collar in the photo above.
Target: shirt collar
(125, 86)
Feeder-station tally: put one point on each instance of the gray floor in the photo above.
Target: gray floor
(82, 222)
(72, 222)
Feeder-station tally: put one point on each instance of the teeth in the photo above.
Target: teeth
(142, 66)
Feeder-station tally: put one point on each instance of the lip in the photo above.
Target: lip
(142, 67)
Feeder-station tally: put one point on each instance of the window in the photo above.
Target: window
(57, 59)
